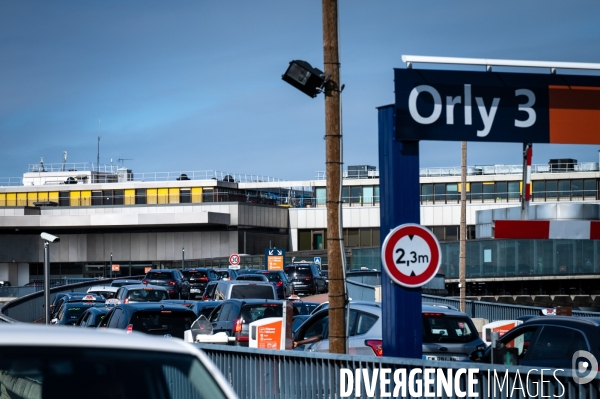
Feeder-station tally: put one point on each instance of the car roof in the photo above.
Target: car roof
(563, 320)
(252, 301)
(161, 270)
(107, 288)
(154, 306)
(26, 334)
(142, 286)
(439, 309)
(78, 296)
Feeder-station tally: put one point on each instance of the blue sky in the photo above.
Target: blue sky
(196, 85)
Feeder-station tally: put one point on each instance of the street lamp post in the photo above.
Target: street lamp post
(111, 265)
(48, 239)
(182, 258)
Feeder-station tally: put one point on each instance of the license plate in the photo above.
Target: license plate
(194, 290)
(442, 358)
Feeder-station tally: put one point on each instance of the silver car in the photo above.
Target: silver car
(38, 361)
(447, 334)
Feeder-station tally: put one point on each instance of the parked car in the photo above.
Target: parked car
(306, 278)
(198, 279)
(199, 307)
(172, 279)
(69, 312)
(280, 281)
(92, 317)
(238, 289)
(226, 274)
(548, 342)
(234, 315)
(63, 297)
(139, 293)
(50, 362)
(168, 320)
(252, 277)
(447, 334)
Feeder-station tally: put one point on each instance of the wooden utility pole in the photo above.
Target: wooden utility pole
(463, 229)
(333, 145)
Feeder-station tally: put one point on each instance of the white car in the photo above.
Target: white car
(39, 361)
(106, 291)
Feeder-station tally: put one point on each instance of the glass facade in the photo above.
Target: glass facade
(507, 258)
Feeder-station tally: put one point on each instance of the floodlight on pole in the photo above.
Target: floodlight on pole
(305, 78)
(48, 239)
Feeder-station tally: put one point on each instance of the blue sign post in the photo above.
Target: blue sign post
(399, 204)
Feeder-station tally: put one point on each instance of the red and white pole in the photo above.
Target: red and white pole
(526, 197)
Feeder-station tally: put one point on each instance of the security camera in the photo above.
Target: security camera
(49, 237)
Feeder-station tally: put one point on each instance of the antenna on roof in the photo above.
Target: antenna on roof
(98, 158)
(122, 160)
(43, 169)
(64, 160)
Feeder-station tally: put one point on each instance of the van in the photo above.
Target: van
(500, 326)
(238, 289)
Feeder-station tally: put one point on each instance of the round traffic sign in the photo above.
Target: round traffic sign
(411, 255)
(234, 259)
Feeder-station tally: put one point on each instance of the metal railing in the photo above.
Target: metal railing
(30, 308)
(497, 311)
(266, 374)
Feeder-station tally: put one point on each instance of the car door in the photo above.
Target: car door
(554, 347)
(215, 319)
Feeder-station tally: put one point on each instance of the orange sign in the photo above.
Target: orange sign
(116, 267)
(147, 269)
(269, 336)
(275, 262)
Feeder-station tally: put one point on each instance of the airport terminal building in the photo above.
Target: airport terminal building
(137, 221)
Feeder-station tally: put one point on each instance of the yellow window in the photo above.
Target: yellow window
(2, 199)
(460, 187)
(130, 197)
(31, 198)
(53, 196)
(173, 196)
(75, 198)
(21, 199)
(163, 195)
(152, 196)
(196, 194)
(11, 199)
(86, 198)
(42, 197)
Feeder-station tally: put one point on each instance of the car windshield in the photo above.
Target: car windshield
(272, 277)
(222, 273)
(243, 291)
(298, 271)
(147, 295)
(159, 276)
(449, 329)
(162, 322)
(63, 372)
(194, 275)
(252, 313)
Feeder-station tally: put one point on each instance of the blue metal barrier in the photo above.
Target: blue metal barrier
(267, 374)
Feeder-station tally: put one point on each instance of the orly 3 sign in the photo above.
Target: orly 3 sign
(500, 107)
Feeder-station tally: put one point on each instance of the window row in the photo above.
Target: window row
(510, 191)
(351, 195)
(317, 239)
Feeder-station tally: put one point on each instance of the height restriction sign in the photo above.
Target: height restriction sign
(411, 255)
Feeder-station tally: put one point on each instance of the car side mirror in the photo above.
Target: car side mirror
(476, 356)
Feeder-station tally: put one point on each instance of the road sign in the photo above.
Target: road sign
(116, 267)
(234, 259)
(497, 106)
(317, 260)
(274, 258)
(411, 255)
